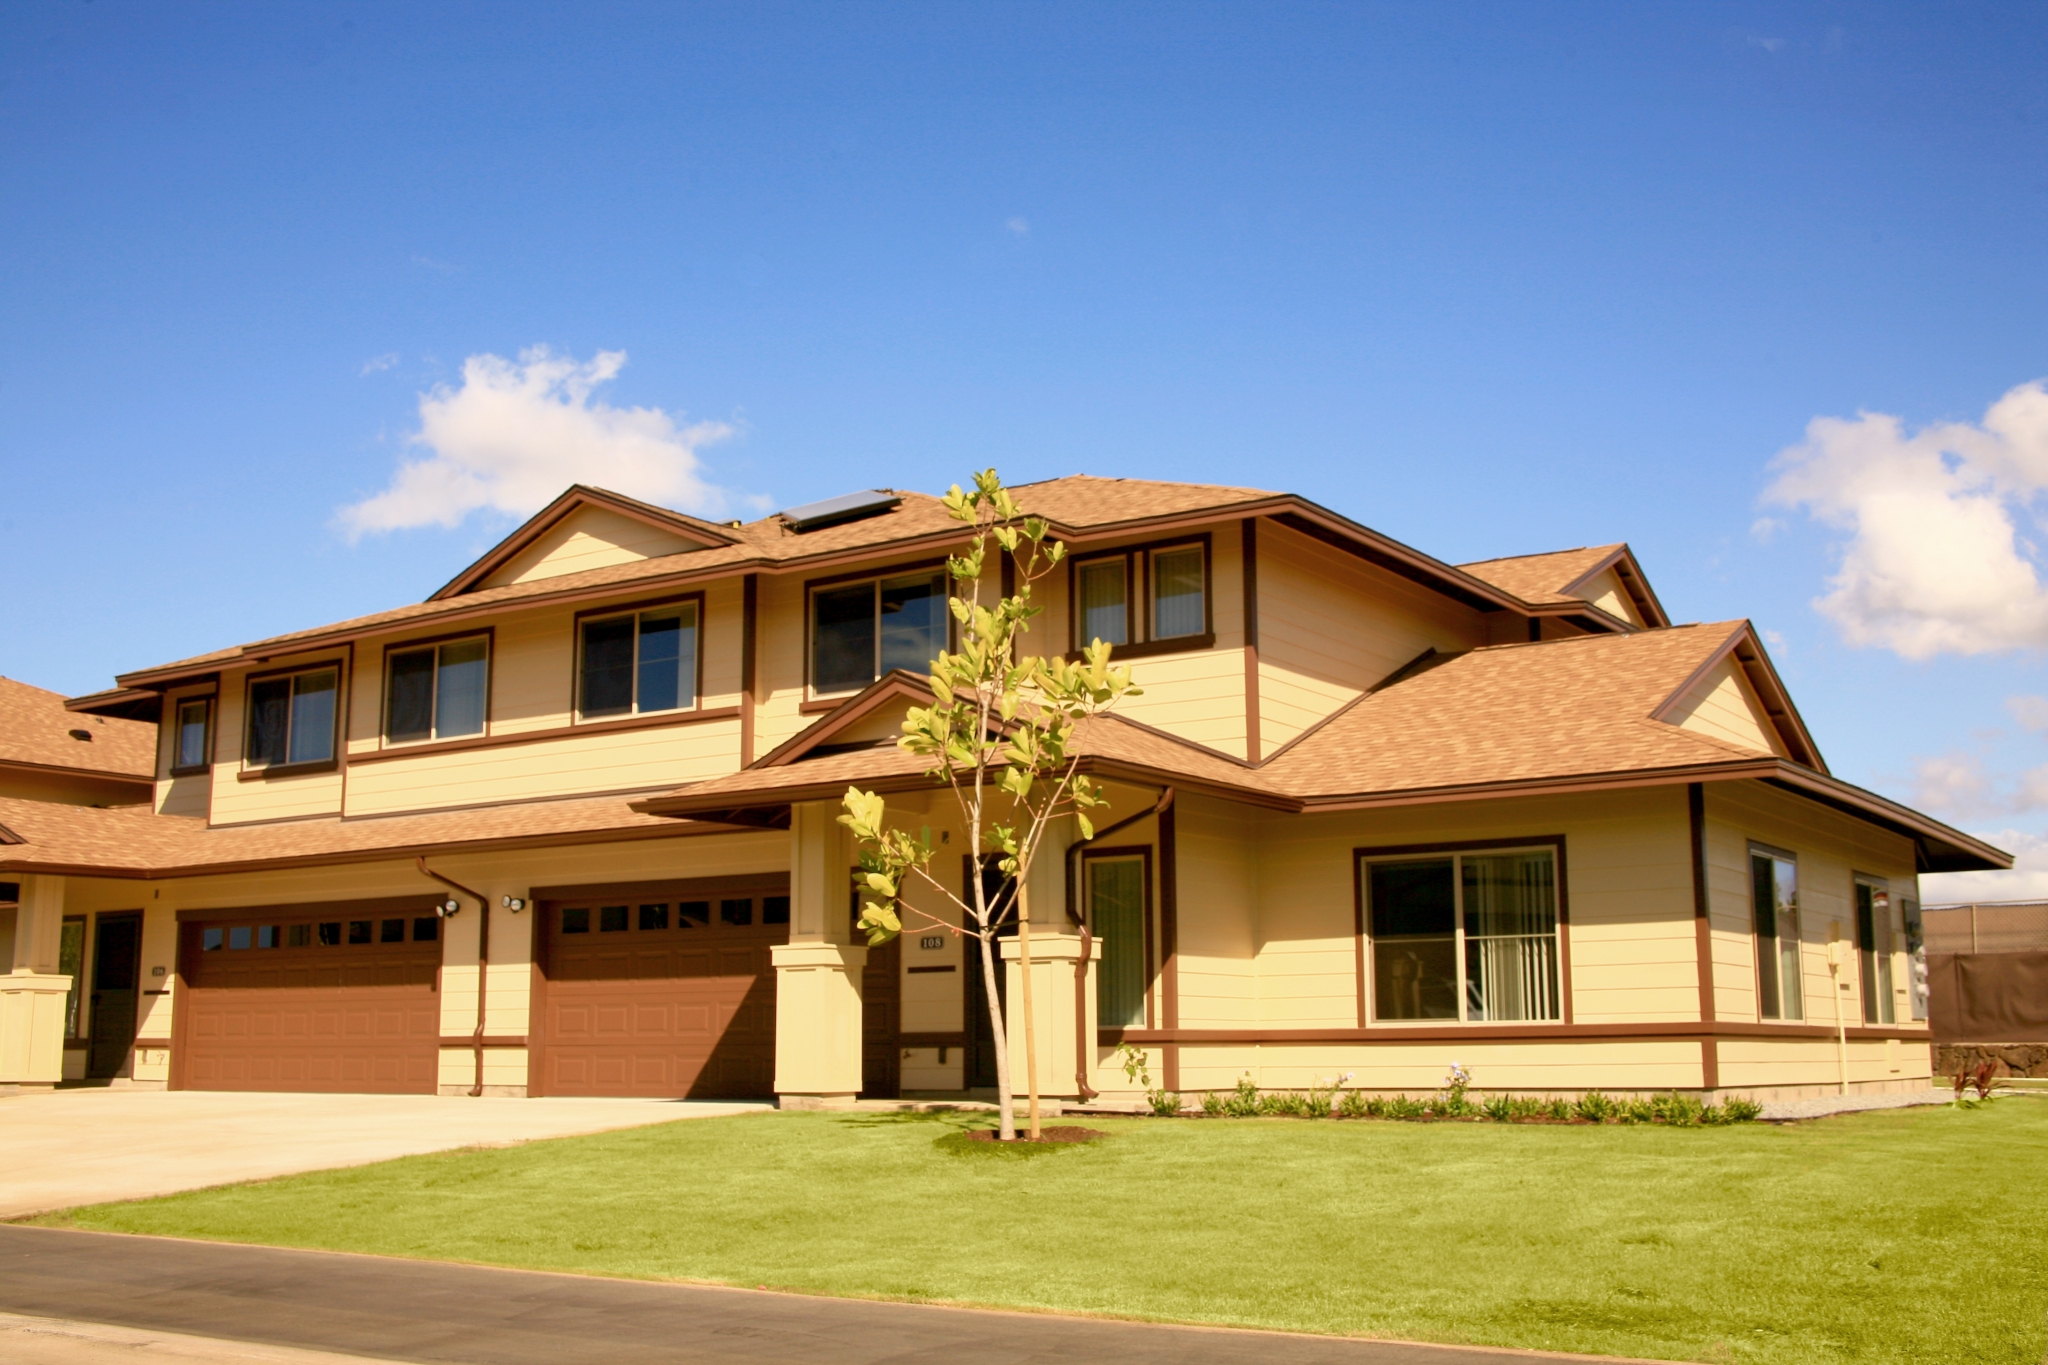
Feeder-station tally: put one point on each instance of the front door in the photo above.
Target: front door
(1000, 891)
(116, 975)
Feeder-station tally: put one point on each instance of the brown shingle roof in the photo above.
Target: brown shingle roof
(130, 841)
(35, 728)
(1542, 578)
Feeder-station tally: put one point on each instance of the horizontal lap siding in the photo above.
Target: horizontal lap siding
(1830, 849)
(1815, 1065)
(1720, 706)
(1218, 897)
(1558, 1068)
(590, 538)
(276, 798)
(1331, 625)
(1199, 697)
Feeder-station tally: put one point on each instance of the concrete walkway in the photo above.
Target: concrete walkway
(69, 1147)
(179, 1295)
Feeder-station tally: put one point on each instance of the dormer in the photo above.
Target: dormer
(586, 528)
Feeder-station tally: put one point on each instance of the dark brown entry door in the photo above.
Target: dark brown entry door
(1000, 891)
(662, 990)
(116, 977)
(346, 1003)
(881, 1010)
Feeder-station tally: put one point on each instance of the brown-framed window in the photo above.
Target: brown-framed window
(865, 628)
(437, 691)
(1874, 947)
(292, 718)
(637, 662)
(192, 737)
(1465, 936)
(1118, 912)
(1142, 595)
(1774, 902)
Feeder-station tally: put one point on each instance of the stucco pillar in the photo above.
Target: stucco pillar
(32, 993)
(1063, 998)
(817, 973)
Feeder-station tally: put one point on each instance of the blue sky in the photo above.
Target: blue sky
(1490, 279)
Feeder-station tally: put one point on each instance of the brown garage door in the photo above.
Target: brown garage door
(662, 989)
(342, 1001)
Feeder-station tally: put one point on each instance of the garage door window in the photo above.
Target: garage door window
(611, 919)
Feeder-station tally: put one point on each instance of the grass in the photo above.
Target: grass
(1901, 1235)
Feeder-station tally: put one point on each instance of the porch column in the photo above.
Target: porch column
(817, 973)
(1063, 998)
(32, 993)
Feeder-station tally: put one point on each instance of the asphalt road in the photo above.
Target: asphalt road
(425, 1311)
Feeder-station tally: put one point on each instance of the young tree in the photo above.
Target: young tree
(1000, 733)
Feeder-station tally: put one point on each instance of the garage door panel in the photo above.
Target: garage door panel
(665, 1004)
(273, 1005)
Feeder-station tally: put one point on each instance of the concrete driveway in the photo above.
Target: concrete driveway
(70, 1147)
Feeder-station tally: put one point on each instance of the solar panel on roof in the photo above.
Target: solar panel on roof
(845, 507)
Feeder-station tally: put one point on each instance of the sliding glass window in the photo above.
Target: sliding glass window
(638, 663)
(1874, 948)
(190, 749)
(1139, 596)
(1774, 898)
(860, 631)
(1465, 936)
(438, 691)
(291, 719)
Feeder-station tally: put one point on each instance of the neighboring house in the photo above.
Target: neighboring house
(50, 754)
(1373, 814)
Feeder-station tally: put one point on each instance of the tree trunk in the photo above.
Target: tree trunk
(1006, 1116)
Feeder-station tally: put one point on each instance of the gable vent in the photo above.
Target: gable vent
(847, 507)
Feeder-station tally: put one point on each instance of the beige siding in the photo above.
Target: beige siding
(273, 798)
(1331, 625)
(1543, 1068)
(1605, 591)
(1218, 912)
(589, 538)
(1722, 706)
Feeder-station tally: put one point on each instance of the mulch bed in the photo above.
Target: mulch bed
(1064, 1133)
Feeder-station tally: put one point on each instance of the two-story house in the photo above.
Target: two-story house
(568, 825)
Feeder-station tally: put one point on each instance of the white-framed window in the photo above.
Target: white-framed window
(292, 718)
(1874, 948)
(1465, 936)
(1774, 901)
(636, 663)
(1171, 582)
(1116, 916)
(864, 629)
(437, 691)
(191, 747)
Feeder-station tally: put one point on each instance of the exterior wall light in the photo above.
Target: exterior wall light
(513, 903)
(449, 908)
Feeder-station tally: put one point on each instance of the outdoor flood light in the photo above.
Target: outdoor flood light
(513, 903)
(449, 908)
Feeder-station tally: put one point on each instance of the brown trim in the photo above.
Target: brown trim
(177, 705)
(1137, 559)
(1169, 941)
(264, 774)
(1710, 1064)
(856, 706)
(145, 781)
(940, 1039)
(1248, 575)
(139, 1042)
(683, 888)
(1703, 932)
(575, 497)
(818, 706)
(634, 608)
(465, 1041)
(654, 720)
(488, 634)
(1747, 651)
(750, 607)
(1399, 1033)
(813, 705)
(420, 904)
(1554, 842)
(922, 971)
(935, 564)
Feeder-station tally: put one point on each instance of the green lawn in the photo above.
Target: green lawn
(1904, 1235)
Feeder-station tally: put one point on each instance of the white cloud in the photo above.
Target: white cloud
(2030, 712)
(2028, 879)
(515, 434)
(1018, 227)
(1937, 560)
(1955, 784)
(381, 362)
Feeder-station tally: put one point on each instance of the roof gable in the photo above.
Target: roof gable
(585, 528)
(1606, 577)
(1734, 689)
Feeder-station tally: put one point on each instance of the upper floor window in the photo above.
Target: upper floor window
(1466, 936)
(1774, 897)
(638, 662)
(291, 718)
(437, 691)
(189, 747)
(1874, 948)
(859, 631)
(1142, 595)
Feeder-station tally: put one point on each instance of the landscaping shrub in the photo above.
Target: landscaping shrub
(1354, 1105)
(1499, 1108)
(1595, 1107)
(1283, 1104)
(1243, 1103)
(1212, 1104)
